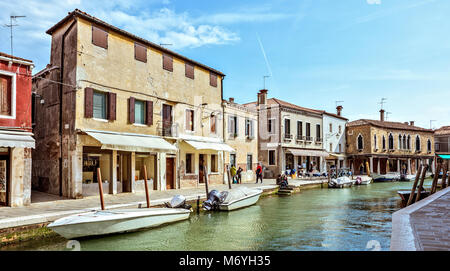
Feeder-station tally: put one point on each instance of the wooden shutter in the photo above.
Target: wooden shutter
(99, 37)
(213, 124)
(189, 70)
(251, 128)
(131, 102)
(188, 119)
(112, 106)
(140, 52)
(149, 117)
(5, 95)
(213, 79)
(237, 125)
(88, 102)
(167, 62)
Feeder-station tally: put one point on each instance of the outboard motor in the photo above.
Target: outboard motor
(358, 180)
(178, 201)
(214, 198)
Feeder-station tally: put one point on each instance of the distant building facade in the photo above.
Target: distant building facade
(388, 146)
(334, 142)
(442, 141)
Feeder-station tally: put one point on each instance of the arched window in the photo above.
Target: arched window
(360, 142)
(375, 142)
(404, 142)
(408, 145)
(391, 142)
(399, 142)
(384, 142)
(417, 143)
(429, 145)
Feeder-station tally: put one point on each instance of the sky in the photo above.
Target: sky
(315, 52)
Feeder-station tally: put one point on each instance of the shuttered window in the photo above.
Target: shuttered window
(139, 112)
(213, 124)
(140, 52)
(299, 129)
(189, 70)
(149, 119)
(111, 106)
(167, 62)
(5, 95)
(99, 37)
(99, 105)
(213, 79)
(131, 110)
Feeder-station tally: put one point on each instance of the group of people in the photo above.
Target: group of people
(236, 174)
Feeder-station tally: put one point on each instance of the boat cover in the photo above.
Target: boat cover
(239, 193)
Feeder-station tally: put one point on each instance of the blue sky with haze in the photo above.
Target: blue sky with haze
(316, 51)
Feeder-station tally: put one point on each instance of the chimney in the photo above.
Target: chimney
(407, 123)
(411, 123)
(231, 100)
(381, 115)
(262, 97)
(339, 109)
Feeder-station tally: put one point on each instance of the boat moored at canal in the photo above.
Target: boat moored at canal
(340, 182)
(231, 200)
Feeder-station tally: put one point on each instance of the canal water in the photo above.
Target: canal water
(315, 219)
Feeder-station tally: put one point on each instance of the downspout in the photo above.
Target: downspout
(61, 106)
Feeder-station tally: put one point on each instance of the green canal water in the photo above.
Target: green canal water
(315, 219)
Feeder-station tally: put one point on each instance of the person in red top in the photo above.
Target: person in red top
(259, 172)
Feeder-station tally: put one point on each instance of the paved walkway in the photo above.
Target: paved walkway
(424, 225)
(46, 208)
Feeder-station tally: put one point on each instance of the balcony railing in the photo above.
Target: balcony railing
(287, 137)
(167, 129)
(299, 138)
(319, 140)
(308, 138)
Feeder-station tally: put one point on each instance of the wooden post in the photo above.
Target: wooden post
(229, 176)
(444, 177)
(146, 187)
(205, 175)
(368, 169)
(419, 190)
(436, 178)
(329, 173)
(100, 187)
(413, 189)
(198, 204)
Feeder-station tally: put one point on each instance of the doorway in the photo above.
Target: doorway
(123, 172)
(4, 180)
(167, 120)
(201, 168)
(170, 176)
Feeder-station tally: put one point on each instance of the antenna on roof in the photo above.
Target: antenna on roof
(382, 102)
(11, 25)
(430, 124)
(264, 79)
(387, 115)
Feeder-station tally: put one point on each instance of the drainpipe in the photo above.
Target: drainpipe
(61, 105)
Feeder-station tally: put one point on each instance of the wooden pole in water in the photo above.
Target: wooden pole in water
(368, 169)
(435, 178)
(100, 188)
(205, 175)
(419, 190)
(147, 197)
(444, 176)
(413, 189)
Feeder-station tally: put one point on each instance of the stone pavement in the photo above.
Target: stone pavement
(46, 208)
(424, 225)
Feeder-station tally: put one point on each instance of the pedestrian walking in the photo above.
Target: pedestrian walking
(233, 172)
(238, 175)
(259, 171)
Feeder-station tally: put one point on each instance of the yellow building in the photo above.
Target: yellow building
(241, 128)
(113, 100)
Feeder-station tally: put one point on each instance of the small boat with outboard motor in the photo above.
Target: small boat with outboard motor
(233, 199)
(340, 182)
(362, 180)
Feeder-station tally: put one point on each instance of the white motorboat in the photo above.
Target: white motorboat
(389, 177)
(239, 198)
(116, 221)
(340, 182)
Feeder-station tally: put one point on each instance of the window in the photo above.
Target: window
(399, 142)
(418, 143)
(99, 37)
(249, 161)
(429, 145)
(318, 132)
(99, 105)
(331, 147)
(384, 142)
(140, 52)
(360, 143)
(233, 159)
(340, 148)
(271, 126)
(167, 63)
(214, 163)
(249, 128)
(212, 80)
(5, 95)
(404, 142)
(408, 142)
(331, 127)
(189, 163)
(271, 157)
(308, 130)
(391, 142)
(375, 142)
(189, 70)
(139, 112)
(213, 123)
(287, 127)
(299, 129)
(190, 120)
(437, 147)
(233, 125)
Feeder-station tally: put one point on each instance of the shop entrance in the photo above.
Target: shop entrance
(4, 177)
(170, 176)
(123, 172)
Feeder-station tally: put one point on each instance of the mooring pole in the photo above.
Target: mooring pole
(147, 197)
(435, 178)
(368, 169)
(419, 189)
(444, 176)
(100, 188)
(198, 204)
(205, 175)
(229, 176)
(413, 189)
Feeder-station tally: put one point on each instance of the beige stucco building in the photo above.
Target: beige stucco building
(119, 102)
(241, 128)
(388, 146)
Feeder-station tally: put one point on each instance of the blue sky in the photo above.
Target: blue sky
(316, 51)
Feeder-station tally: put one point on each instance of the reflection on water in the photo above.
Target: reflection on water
(318, 219)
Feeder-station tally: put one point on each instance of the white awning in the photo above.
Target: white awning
(300, 152)
(132, 142)
(338, 156)
(16, 139)
(201, 145)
